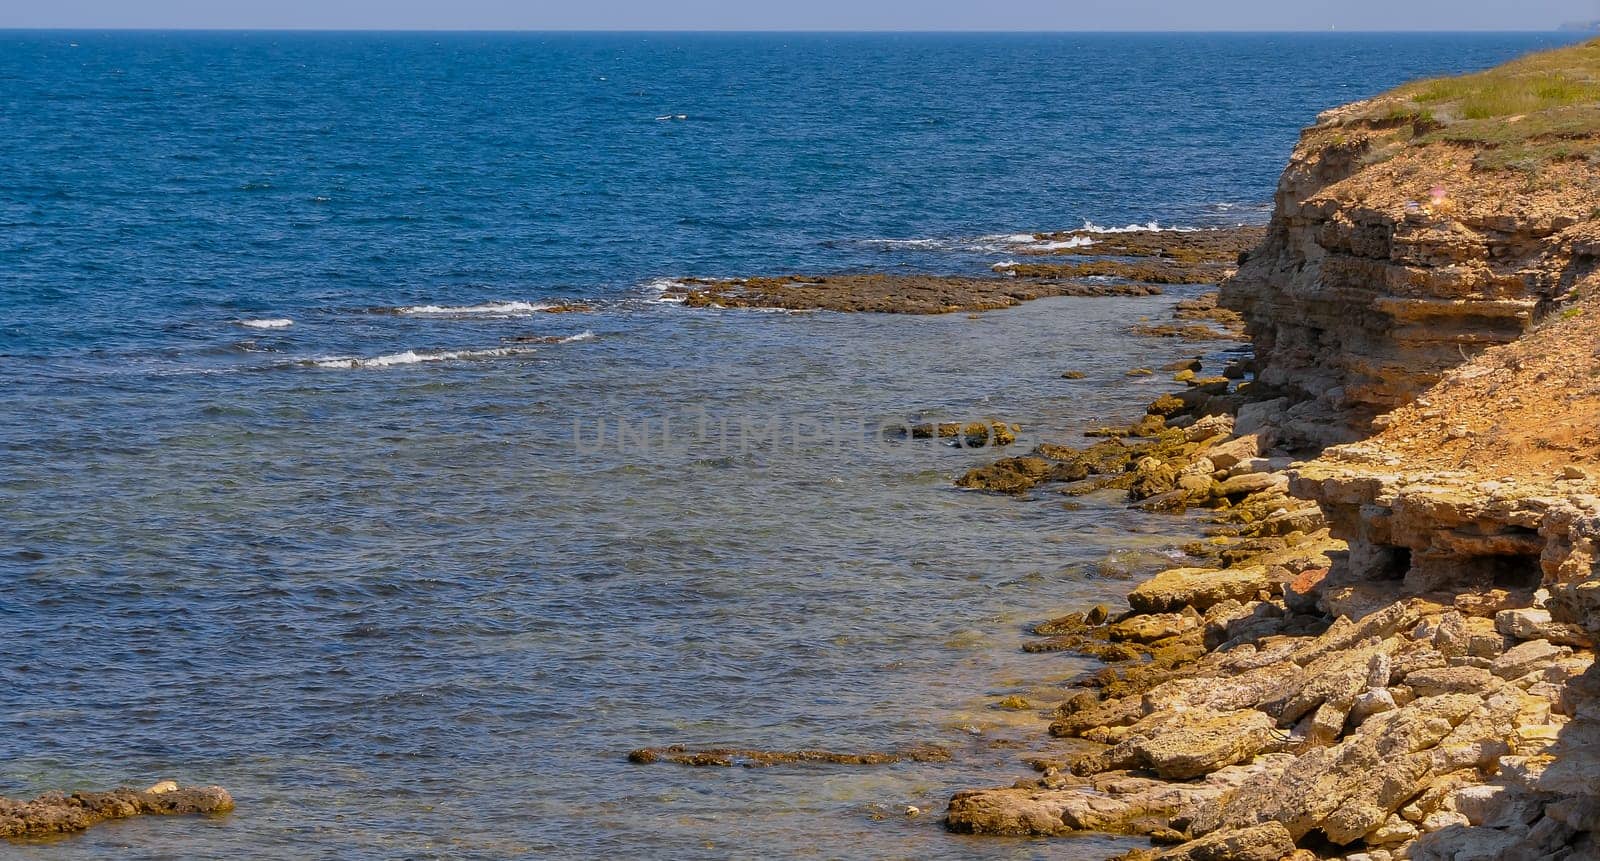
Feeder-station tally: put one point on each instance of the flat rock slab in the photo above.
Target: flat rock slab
(1200, 588)
(1526, 657)
(889, 293)
(1268, 842)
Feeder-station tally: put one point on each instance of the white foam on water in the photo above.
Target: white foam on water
(660, 286)
(413, 357)
(486, 309)
(917, 244)
(416, 357)
(1228, 206)
(994, 243)
(1151, 227)
(272, 323)
(1074, 242)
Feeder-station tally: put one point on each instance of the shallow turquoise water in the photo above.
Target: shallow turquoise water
(368, 569)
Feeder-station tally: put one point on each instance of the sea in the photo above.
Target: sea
(305, 489)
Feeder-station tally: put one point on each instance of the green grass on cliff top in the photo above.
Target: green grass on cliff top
(1522, 114)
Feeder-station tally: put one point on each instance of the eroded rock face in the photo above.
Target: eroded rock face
(1439, 711)
(1448, 532)
(1363, 293)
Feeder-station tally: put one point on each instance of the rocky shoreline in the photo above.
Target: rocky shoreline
(1382, 645)
(1384, 648)
(1252, 707)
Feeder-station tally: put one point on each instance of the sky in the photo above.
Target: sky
(806, 15)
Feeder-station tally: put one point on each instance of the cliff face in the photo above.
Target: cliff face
(1392, 258)
(1427, 287)
(1435, 300)
(1481, 495)
(1486, 481)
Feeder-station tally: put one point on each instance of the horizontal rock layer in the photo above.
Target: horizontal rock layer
(1360, 297)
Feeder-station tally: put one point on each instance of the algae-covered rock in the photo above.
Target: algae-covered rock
(678, 754)
(1016, 475)
(1152, 628)
(978, 434)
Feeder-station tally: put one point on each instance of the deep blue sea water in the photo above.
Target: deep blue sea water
(290, 502)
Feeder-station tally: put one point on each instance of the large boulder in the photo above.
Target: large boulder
(1010, 811)
(1535, 624)
(1528, 657)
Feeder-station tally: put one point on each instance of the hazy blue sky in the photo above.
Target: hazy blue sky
(805, 14)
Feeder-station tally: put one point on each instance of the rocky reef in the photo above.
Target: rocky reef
(1130, 264)
(678, 754)
(1383, 647)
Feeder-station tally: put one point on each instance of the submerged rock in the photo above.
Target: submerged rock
(678, 754)
(1020, 474)
(974, 434)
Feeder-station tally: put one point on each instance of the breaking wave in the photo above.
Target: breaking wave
(486, 309)
(1151, 227)
(417, 357)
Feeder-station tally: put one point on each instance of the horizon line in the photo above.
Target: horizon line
(1559, 29)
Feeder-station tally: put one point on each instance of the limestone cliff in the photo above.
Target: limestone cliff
(1433, 294)
(1411, 232)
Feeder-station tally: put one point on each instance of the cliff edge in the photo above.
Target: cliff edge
(1416, 229)
(1407, 669)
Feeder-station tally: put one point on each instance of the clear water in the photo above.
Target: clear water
(393, 602)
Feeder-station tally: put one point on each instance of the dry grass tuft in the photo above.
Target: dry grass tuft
(1521, 115)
